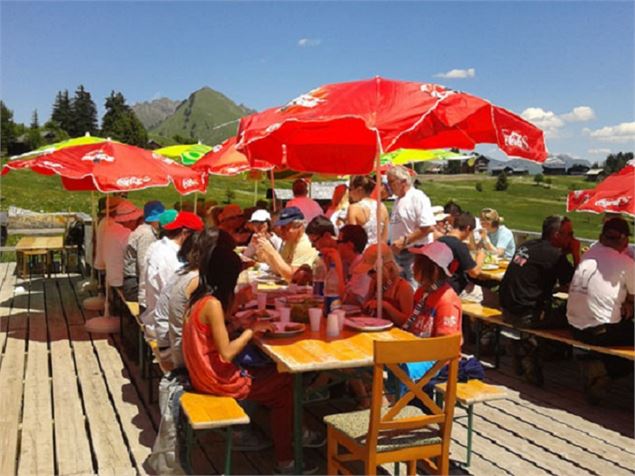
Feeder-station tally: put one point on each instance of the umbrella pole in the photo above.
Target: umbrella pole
(93, 228)
(255, 192)
(379, 264)
(273, 190)
(195, 201)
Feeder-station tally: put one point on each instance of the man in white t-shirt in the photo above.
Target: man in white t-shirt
(162, 261)
(600, 304)
(411, 221)
(602, 286)
(309, 207)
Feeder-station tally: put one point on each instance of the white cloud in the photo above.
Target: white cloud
(457, 74)
(551, 123)
(602, 152)
(579, 114)
(548, 121)
(621, 133)
(309, 42)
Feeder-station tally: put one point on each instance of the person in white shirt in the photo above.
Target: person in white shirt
(411, 221)
(309, 207)
(351, 243)
(260, 224)
(115, 239)
(162, 261)
(600, 306)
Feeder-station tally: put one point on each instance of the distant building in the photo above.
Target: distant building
(578, 169)
(477, 166)
(509, 170)
(594, 175)
(554, 166)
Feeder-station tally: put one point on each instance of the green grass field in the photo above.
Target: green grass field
(523, 205)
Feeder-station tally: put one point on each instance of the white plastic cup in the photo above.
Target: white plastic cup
(262, 301)
(315, 318)
(332, 325)
(285, 314)
(341, 315)
(279, 303)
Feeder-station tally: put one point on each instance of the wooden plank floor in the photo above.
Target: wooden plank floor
(73, 403)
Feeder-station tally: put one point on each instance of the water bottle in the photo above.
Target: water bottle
(319, 275)
(332, 299)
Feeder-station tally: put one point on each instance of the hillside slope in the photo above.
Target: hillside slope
(200, 116)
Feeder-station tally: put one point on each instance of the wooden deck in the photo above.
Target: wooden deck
(73, 403)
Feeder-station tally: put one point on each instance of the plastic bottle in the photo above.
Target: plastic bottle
(332, 299)
(319, 275)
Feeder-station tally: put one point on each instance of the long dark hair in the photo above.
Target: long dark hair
(218, 267)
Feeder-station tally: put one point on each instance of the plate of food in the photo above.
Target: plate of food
(286, 329)
(489, 267)
(350, 309)
(368, 324)
(264, 315)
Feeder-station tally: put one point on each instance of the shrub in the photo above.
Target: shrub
(539, 178)
(229, 195)
(479, 186)
(501, 183)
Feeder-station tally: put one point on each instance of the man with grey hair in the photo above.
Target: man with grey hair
(411, 220)
(296, 249)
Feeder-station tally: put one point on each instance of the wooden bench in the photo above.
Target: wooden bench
(467, 395)
(210, 412)
(147, 349)
(494, 317)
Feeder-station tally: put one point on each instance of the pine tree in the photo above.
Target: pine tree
(34, 136)
(84, 114)
(121, 123)
(35, 121)
(7, 127)
(62, 115)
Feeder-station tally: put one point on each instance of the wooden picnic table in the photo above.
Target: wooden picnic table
(37, 245)
(314, 352)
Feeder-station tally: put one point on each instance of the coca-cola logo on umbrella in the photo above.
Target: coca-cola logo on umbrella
(97, 156)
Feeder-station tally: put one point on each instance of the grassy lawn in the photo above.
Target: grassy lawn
(523, 205)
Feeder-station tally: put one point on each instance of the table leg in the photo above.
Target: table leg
(298, 394)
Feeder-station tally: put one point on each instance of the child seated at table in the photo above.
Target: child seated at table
(437, 311)
(209, 353)
(397, 293)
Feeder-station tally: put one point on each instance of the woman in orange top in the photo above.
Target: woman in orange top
(208, 350)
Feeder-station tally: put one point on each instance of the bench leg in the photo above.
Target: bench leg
(298, 394)
(228, 451)
(189, 442)
(479, 328)
(470, 419)
(497, 349)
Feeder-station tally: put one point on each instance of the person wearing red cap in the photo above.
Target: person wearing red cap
(162, 261)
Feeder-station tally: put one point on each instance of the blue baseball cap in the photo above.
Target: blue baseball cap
(152, 211)
(289, 214)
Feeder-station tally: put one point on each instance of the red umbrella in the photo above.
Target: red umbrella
(225, 159)
(112, 167)
(615, 194)
(342, 128)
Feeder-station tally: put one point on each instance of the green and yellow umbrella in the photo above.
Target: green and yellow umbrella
(188, 154)
(407, 156)
(48, 148)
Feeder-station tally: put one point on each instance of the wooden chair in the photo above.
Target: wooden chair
(377, 436)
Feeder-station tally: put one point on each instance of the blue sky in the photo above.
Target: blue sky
(567, 66)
